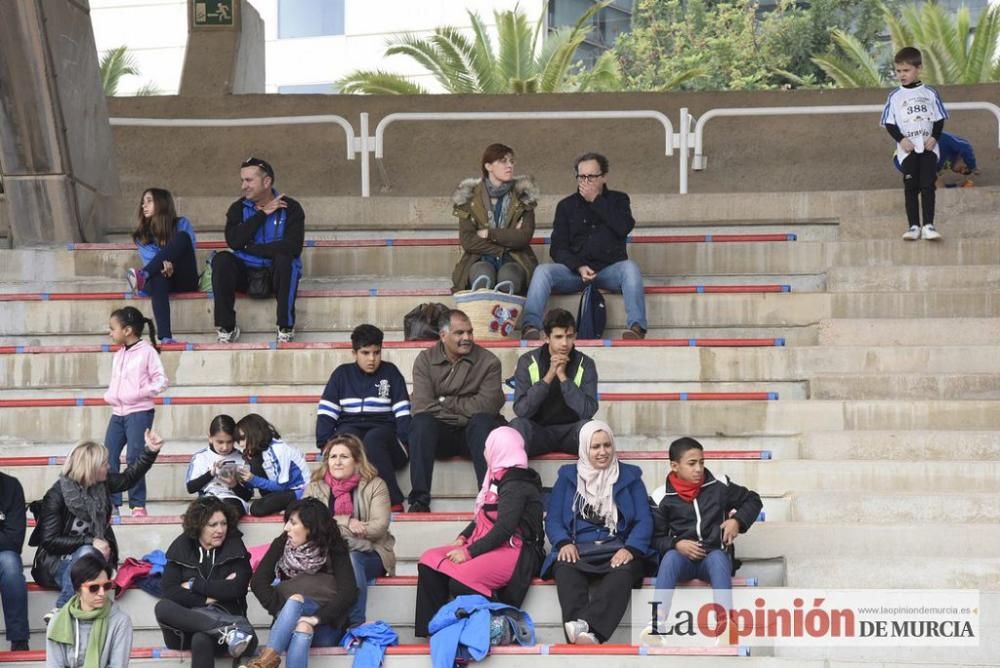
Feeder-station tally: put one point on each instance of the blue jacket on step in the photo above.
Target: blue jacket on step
(462, 628)
(368, 642)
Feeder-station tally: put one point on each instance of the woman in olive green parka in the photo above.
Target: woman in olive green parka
(496, 221)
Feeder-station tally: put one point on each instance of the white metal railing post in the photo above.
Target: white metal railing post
(365, 151)
(685, 126)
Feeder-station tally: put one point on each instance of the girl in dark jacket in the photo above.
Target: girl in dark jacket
(306, 582)
(600, 527)
(75, 517)
(205, 585)
(485, 558)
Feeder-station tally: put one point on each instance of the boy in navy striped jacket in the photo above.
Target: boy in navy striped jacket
(368, 398)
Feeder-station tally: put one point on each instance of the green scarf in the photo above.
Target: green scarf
(63, 629)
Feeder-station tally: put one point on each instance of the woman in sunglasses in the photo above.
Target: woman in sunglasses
(90, 630)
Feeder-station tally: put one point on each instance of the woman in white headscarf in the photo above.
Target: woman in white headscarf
(600, 526)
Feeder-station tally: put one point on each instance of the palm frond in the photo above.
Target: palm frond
(378, 82)
(482, 59)
(515, 62)
(683, 77)
(983, 53)
(425, 53)
(605, 75)
(148, 90)
(115, 64)
(556, 66)
(455, 53)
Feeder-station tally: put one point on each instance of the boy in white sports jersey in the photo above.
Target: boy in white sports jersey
(914, 116)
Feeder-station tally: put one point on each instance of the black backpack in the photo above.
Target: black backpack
(592, 315)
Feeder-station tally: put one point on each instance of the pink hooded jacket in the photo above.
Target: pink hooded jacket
(136, 377)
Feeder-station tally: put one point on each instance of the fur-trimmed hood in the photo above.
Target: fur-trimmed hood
(524, 189)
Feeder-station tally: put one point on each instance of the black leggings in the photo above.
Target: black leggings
(272, 503)
(187, 628)
(434, 589)
(919, 175)
(180, 252)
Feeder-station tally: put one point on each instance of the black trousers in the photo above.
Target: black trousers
(434, 589)
(919, 175)
(603, 607)
(384, 452)
(541, 439)
(272, 503)
(185, 628)
(229, 276)
(179, 251)
(430, 438)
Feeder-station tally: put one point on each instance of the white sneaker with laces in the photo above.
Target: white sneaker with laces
(912, 234)
(236, 641)
(574, 629)
(929, 233)
(227, 337)
(286, 335)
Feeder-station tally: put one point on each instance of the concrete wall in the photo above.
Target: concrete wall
(56, 154)
(225, 60)
(806, 153)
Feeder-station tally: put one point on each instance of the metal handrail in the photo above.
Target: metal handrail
(244, 122)
(668, 127)
(699, 128)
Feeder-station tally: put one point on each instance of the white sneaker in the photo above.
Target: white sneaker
(224, 336)
(929, 233)
(575, 628)
(286, 335)
(912, 234)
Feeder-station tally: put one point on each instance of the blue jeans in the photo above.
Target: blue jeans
(295, 644)
(623, 277)
(715, 568)
(367, 567)
(66, 590)
(128, 429)
(14, 596)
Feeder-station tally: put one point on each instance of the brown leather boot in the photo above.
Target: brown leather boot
(267, 658)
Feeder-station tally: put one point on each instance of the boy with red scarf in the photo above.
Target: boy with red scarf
(696, 516)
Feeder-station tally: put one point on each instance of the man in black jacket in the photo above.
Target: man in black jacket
(588, 246)
(13, 589)
(555, 389)
(266, 231)
(696, 516)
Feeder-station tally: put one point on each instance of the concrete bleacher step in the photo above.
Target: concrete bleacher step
(392, 600)
(932, 331)
(877, 507)
(430, 258)
(905, 386)
(734, 418)
(913, 278)
(35, 316)
(917, 445)
(885, 371)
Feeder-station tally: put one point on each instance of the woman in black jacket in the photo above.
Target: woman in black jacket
(75, 516)
(306, 582)
(204, 602)
(500, 550)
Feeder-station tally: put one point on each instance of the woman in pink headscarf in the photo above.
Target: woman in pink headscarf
(501, 549)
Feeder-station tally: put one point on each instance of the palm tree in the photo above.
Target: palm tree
(117, 63)
(950, 55)
(461, 64)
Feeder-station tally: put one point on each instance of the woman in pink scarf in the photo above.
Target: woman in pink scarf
(484, 559)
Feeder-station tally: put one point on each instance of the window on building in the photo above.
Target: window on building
(607, 24)
(310, 18)
(311, 89)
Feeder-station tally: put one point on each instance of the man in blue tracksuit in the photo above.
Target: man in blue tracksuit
(956, 155)
(265, 231)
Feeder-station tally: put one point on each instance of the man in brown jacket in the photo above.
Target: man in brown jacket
(456, 403)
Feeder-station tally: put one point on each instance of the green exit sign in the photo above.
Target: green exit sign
(212, 13)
